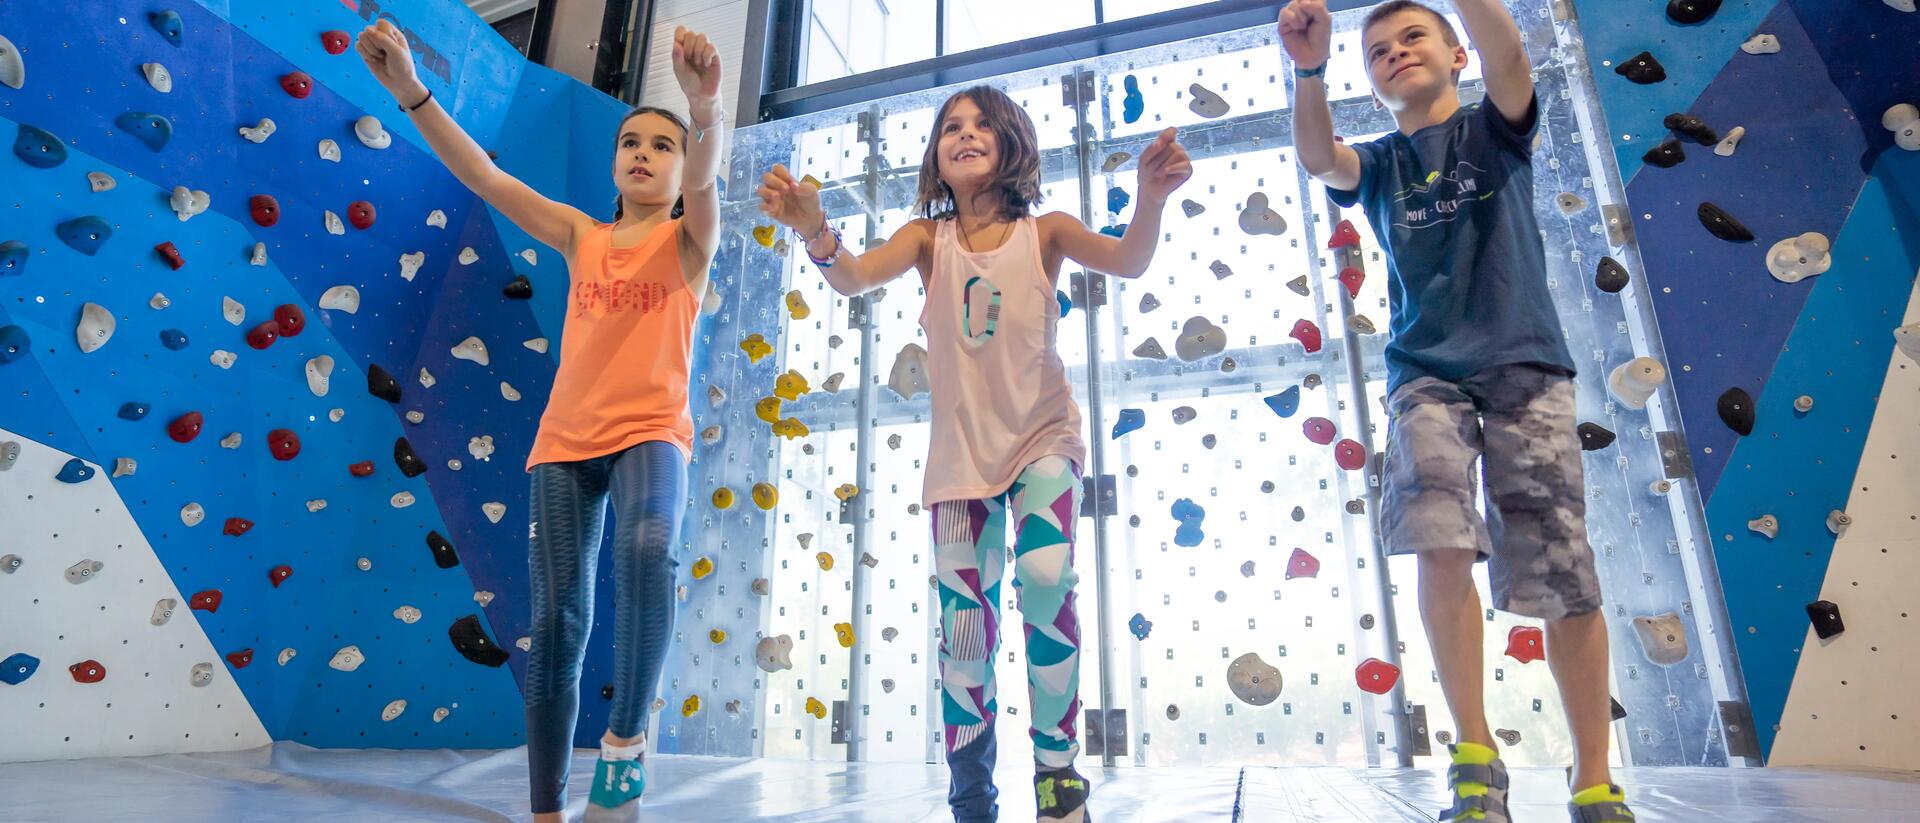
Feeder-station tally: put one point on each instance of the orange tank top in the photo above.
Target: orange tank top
(624, 351)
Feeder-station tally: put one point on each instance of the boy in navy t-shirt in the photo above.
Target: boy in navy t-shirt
(1477, 368)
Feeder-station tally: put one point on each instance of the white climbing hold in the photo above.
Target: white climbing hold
(407, 614)
(232, 310)
(1730, 142)
(494, 510)
(716, 395)
(1907, 338)
(538, 344)
(95, 327)
(259, 257)
(371, 133)
(222, 358)
(509, 392)
(468, 256)
(201, 675)
(336, 414)
(191, 514)
(13, 69)
(437, 219)
(909, 375)
(1838, 521)
(483, 597)
(259, 133)
(124, 467)
(1663, 638)
(440, 714)
(100, 181)
(363, 564)
(158, 77)
(711, 434)
(1904, 121)
(1361, 324)
(163, 611)
(481, 447)
(329, 150)
(532, 257)
(1761, 44)
(1798, 258)
(426, 378)
(315, 505)
(1902, 5)
(334, 226)
(410, 264)
(286, 654)
(1636, 380)
(187, 203)
(231, 441)
(525, 644)
(393, 710)
(471, 349)
(159, 301)
(1766, 525)
(401, 500)
(341, 298)
(453, 464)
(416, 416)
(773, 654)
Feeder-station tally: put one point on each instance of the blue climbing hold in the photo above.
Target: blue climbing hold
(13, 344)
(1140, 626)
(1190, 516)
(1134, 105)
(17, 668)
(151, 129)
(134, 410)
(173, 339)
(169, 24)
(38, 148)
(1129, 420)
(1286, 402)
(13, 258)
(1066, 303)
(1114, 231)
(84, 234)
(1117, 199)
(75, 471)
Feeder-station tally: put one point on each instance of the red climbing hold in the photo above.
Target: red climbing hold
(1349, 455)
(263, 335)
(291, 319)
(1307, 333)
(171, 255)
(264, 209)
(205, 601)
(1319, 430)
(297, 84)
(1524, 644)
(279, 574)
(1376, 676)
(1302, 564)
(360, 214)
(363, 468)
(185, 428)
(284, 444)
(1344, 235)
(241, 658)
(1352, 278)
(88, 671)
(336, 41)
(237, 526)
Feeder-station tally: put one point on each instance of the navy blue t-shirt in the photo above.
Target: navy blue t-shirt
(1452, 207)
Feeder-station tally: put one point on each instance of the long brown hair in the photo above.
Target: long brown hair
(1016, 178)
(679, 203)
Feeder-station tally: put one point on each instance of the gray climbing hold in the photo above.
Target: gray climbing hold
(1361, 324)
(1200, 338)
(83, 571)
(1183, 415)
(1253, 680)
(10, 563)
(158, 77)
(1206, 103)
(1570, 204)
(9, 454)
(1258, 218)
(1114, 161)
(124, 467)
(259, 255)
(1906, 339)
(163, 611)
(95, 327)
(259, 133)
(909, 374)
(201, 675)
(13, 69)
(1298, 285)
(1663, 638)
(1765, 525)
(1191, 209)
(1148, 303)
(371, 133)
(100, 181)
(1838, 521)
(1150, 350)
(1221, 271)
(773, 654)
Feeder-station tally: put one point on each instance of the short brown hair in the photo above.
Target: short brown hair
(1393, 7)
(1016, 178)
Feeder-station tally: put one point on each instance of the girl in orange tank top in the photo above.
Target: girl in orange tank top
(617, 424)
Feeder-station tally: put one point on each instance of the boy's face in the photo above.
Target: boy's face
(1408, 59)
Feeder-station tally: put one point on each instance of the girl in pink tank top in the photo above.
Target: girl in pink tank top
(1006, 430)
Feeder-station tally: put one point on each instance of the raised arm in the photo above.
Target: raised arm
(796, 205)
(1306, 34)
(385, 51)
(1163, 167)
(1503, 58)
(696, 64)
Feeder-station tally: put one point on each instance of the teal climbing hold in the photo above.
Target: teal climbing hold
(151, 129)
(1133, 105)
(169, 24)
(13, 344)
(84, 234)
(38, 148)
(13, 258)
(1128, 420)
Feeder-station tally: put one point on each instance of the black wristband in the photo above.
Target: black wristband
(416, 107)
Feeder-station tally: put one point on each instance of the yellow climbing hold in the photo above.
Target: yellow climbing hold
(763, 235)
(702, 568)
(790, 428)
(846, 492)
(844, 631)
(756, 347)
(723, 498)
(767, 409)
(791, 385)
(797, 307)
(765, 496)
(690, 706)
(811, 181)
(825, 560)
(718, 636)
(816, 708)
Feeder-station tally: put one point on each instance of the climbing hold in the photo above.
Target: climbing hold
(764, 235)
(1688, 125)
(722, 500)
(236, 527)
(1149, 349)
(1128, 420)
(329, 150)
(187, 203)
(1594, 437)
(1350, 278)
(263, 336)
(163, 611)
(1798, 258)
(1525, 644)
(1286, 402)
(1117, 199)
(1344, 235)
(1206, 103)
(845, 492)
(206, 600)
(363, 468)
(158, 77)
(1376, 676)
(13, 258)
(18, 666)
(790, 386)
(471, 349)
(909, 374)
(335, 41)
(410, 264)
(1199, 338)
(506, 390)
(38, 147)
(1192, 209)
(290, 319)
(1904, 121)
(333, 224)
(1736, 410)
(1251, 679)
(151, 129)
(1838, 521)
(1906, 339)
(1907, 6)
(1190, 516)
(403, 457)
(1349, 455)
(1307, 333)
(284, 444)
(169, 24)
(1666, 155)
(1132, 105)
(756, 347)
(191, 514)
(83, 571)
(1730, 142)
(347, 659)
(95, 327)
(1689, 12)
(1825, 616)
(1723, 225)
(1765, 525)
(170, 255)
(773, 654)
(1663, 638)
(1258, 218)
(341, 298)
(13, 343)
(437, 219)
(1319, 430)
(1761, 44)
(765, 496)
(87, 671)
(84, 234)
(360, 214)
(1066, 303)
(1570, 204)
(297, 84)
(407, 614)
(231, 441)
(1360, 324)
(1642, 68)
(1303, 565)
(75, 471)
(264, 209)
(279, 574)
(122, 467)
(844, 633)
(1610, 276)
(1636, 380)
(241, 658)
(286, 654)
(393, 710)
(13, 70)
(443, 554)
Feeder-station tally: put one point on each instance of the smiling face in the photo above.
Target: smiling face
(647, 159)
(966, 155)
(983, 147)
(1409, 58)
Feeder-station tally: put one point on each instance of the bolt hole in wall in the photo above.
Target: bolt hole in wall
(1233, 531)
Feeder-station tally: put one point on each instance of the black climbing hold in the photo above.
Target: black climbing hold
(1826, 618)
(38, 147)
(520, 289)
(1736, 410)
(1594, 437)
(1693, 127)
(606, 692)
(1723, 225)
(1619, 711)
(1666, 155)
(443, 554)
(1642, 68)
(1610, 276)
(382, 385)
(1689, 12)
(404, 457)
(473, 644)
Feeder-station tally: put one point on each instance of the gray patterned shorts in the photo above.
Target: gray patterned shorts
(1518, 420)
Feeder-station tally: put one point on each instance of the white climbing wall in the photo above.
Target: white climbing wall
(1853, 701)
(145, 704)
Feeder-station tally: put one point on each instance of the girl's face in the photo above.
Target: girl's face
(647, 159)
(967, 155)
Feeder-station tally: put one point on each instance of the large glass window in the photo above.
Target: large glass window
(846, 37)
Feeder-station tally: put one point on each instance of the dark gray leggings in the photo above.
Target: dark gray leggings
(646, 484)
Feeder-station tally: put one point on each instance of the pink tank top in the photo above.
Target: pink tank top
(1000, 394)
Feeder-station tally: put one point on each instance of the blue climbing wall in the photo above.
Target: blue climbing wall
(1815, 158)
(83, 71)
